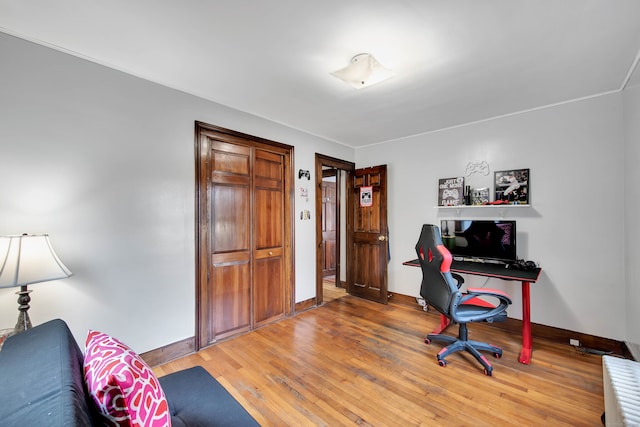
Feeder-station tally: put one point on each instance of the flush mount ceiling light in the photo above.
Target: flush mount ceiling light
(364, 70)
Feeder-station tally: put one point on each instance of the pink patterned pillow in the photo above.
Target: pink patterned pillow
(122, 385)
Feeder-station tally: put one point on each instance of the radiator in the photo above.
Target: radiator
(621, 381)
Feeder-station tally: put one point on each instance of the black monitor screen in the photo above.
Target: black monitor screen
(480, 239)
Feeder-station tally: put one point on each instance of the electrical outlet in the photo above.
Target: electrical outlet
(574, 342)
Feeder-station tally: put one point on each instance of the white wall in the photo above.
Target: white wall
(574, 228)
(632, 201)
(104, 163)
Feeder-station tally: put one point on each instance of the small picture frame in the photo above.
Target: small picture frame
(366, 197)
(513, 186)
(480, 196)
(451, 191)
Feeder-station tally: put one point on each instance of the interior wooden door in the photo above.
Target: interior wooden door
(369, 253)
(244, 233)
(329, 227)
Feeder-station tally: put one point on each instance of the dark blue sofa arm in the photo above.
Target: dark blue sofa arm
(41, 380)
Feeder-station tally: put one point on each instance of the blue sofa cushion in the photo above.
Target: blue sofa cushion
(196, 399)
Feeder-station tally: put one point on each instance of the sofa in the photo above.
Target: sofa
(42, 383)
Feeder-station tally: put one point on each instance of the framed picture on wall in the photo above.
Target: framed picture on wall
(513, 186)
(451, 191)
(480, 196)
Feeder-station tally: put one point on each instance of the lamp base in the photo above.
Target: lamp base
(24, 322)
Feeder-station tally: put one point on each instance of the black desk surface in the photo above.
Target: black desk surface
(488, 269)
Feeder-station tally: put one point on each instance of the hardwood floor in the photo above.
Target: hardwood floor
(330, 291)
(355, 362)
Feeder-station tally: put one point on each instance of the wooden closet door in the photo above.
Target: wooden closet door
(268, 213)
(230, 231)
(244, 235)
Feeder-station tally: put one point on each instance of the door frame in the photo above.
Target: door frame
(202, 215)
(347, 167)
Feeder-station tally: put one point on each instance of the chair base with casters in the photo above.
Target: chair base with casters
(470, 307)
(463, 343)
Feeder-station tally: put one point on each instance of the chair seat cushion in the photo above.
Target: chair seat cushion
(472, 311)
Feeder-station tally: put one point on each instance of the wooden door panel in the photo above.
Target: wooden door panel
(369, 250)
(269, 297)
(268, 218)
(268, 169)
(268, 200)
(268, 289)
(231, 303)
(367, 268)
(229, 159)
(230, 217)
(230, 272)
(329, 257)
(368, 220)
(361, 268)
(329, 231)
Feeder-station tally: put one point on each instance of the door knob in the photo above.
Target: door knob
(382, 238)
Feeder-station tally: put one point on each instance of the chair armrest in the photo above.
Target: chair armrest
(458, 278)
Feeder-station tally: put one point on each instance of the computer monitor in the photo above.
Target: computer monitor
(479, 240)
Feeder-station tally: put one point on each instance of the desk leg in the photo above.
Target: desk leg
(444, 323)
(525, 354)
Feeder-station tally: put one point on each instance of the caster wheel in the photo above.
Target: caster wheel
(487, 372)
(442, 363)
(427, 341)
(497, 355)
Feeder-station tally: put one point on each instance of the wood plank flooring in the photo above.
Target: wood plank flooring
(355, 362)
(331, 291)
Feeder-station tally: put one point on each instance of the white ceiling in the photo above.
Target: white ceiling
(456, 61)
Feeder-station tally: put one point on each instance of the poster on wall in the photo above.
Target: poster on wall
(366, 196)
(513, 186)
(451, 191)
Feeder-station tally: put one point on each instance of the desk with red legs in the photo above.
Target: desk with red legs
(526, 277)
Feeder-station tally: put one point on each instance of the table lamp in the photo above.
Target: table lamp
(25, 260)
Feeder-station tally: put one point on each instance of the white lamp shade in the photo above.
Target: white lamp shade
(29, 259)
(364, 70)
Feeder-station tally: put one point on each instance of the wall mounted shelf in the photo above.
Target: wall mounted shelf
(458, 209)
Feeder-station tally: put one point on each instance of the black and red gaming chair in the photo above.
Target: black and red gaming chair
(439, 289)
